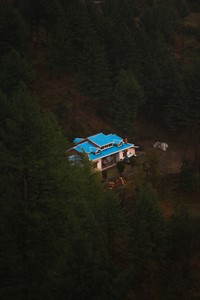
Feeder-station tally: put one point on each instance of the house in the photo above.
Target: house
(104, 150)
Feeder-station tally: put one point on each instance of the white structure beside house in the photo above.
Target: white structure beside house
(104, 150)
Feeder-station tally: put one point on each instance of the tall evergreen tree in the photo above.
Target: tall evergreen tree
(193, 94)
(128, 97)
(33, 219)
(148, 238)
(14, 70)
(93, 70)
(40, 13)
(61, 52)
(12, 30)
(52, 220)
(181, 250)
(148, 225)
(176, 109)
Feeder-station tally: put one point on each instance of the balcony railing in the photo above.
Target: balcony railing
(108, 161)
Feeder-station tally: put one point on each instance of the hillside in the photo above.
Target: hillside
(81, 116)
(75, 68)
(77, 114)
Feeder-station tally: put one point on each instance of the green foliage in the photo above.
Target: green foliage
(14, 70)
(119, 34)
(93, 72)
(159, 17)
(133, 161)
(33, 222)
(104, 175)
(193, 94)
(12, 30)
(41, 12)
(176, 110)
(181, 240)
(68, 36)
(159, 76)
(180, 222)
(52, 213)
(181, 7)
(151, 168)
(188, 179)
(75, 46)
(62, 236)
(120, 166)
(61, 56)
(128, 97)
(183, 109)
(147, 240)
(99, 46)
(34, 202)
(148, 226)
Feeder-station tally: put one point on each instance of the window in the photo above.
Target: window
(107, 146)
(98, 152)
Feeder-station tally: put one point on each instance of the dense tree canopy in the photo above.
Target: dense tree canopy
(97, 44)
(62, 234)
(50, 217)
(12, 30)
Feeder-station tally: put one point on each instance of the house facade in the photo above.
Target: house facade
(104, 150)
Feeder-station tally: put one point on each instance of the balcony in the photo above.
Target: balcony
(108, 161)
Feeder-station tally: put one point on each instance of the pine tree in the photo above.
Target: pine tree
(89, 272)
(14, 70)
(176, 109)
(148, 225)
(12, 30)
(128, 97)
(148, 239)
(33, 219)
(193, 94)
(61, 55)
(40, 13)
(93, 70)
(52, 220)
(181, 249)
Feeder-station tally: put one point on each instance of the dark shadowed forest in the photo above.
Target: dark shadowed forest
(72, 68)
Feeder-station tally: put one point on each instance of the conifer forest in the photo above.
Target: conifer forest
(74, 68)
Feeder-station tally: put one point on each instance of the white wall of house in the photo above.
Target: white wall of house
(131, 152)
(99, 165)
(121, 156)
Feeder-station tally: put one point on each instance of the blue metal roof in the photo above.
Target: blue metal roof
(86, 147)
(109, 151)
(78, 140)
(101, 139)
